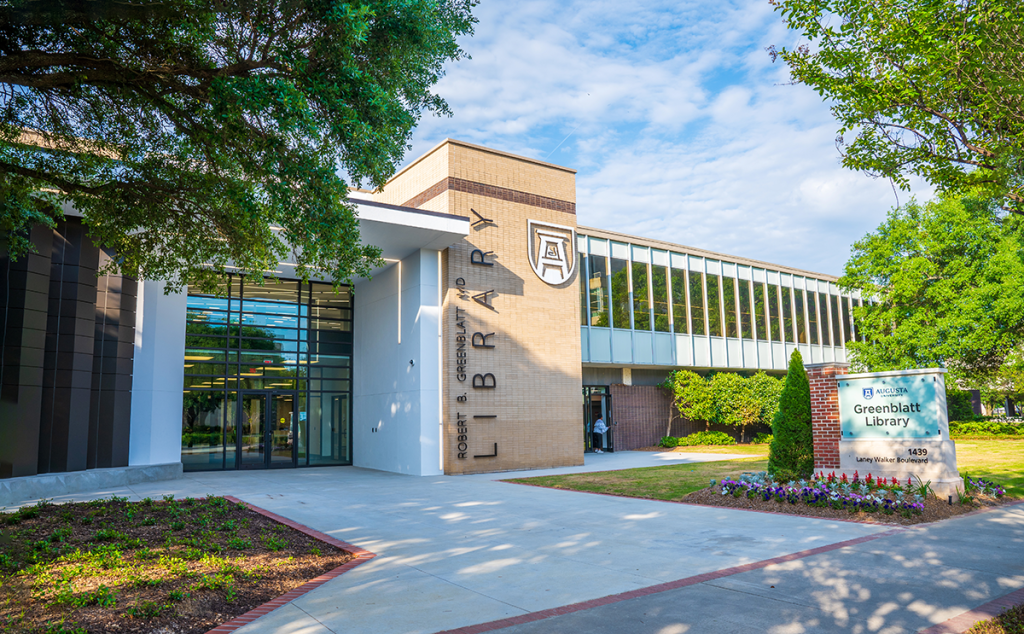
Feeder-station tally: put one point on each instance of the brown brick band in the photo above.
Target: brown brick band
(491, 191)
(359, 556)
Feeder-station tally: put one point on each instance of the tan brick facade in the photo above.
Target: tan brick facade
(532, 416)
(825, 413)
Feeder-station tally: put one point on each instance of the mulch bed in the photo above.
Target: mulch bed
(934, 508)
(175, 566)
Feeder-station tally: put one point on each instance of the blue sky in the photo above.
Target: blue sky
(678, 123)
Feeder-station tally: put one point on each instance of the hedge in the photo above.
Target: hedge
(698, 438)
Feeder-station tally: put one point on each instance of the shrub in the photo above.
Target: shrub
(985, 428)
(791, 455)
(668, 442)
(762, 439)
(705, 438)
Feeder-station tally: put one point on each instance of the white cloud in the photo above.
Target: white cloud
(684, 129)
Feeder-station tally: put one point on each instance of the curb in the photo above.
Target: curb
(360, 556)
(964, 622)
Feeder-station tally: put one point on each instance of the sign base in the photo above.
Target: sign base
(924, 459)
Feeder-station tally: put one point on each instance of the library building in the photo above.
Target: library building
(498, 331)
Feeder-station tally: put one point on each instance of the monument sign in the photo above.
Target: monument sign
(894, 424)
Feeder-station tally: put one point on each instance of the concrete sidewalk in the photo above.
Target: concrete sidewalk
(462, 551)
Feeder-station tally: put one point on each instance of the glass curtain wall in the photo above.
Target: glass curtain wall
(823, 319)
(801, 322)
(659, 291)
(267, 376)
(760, 312)
(600, 308)
(787, 314)
(697, 302)
(641, 303)
(836, 317)
(845, 309)
(746, 316)
(812, 316)
(729, 306)
(773, 312)
(582, 280)
(680, 311)
(620, 293)
(714, 306)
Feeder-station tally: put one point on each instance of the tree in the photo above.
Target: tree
(196, 134)
(791, 454)
(767, 390)
(944, 282)
(693, 398)
(735, 402)
(926, 87)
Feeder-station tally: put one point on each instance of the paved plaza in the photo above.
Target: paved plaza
(458, 552)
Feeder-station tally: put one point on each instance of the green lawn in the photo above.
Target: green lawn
(1001, 461)
(657, 483)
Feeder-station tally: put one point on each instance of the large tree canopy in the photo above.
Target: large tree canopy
(200, 133)
(927, 87)
(945, 277)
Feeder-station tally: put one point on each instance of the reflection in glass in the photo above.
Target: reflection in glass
(697, 302)
(581, 279)
(679, 312)
(282, 420)
(253, 419)
(620, 293)
(774, 324)
(845, 308)
(598, 284)
(760, 311)
(823, 317)
(659, 289)
(729, 306)
(812, 316)
(746, 317)
(801, 323)
(837, 336)
(787, 314)
(714, 306)
(641, 305)
(202, 429)
(328, 429)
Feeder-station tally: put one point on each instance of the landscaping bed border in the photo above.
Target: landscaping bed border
(359, 556)
(813, 517)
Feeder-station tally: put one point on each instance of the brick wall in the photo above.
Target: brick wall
(825, 413)
(642, 413)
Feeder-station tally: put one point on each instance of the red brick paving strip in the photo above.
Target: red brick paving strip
(359, 556)
(662, 587)
(964, 622)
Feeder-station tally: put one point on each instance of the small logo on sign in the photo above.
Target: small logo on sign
(552, 251)
(869, 393)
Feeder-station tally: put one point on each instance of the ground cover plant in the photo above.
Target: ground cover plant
(988, 463)
(182, 566)
(1011, 621)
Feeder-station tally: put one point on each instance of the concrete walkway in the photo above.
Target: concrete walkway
(462, 551)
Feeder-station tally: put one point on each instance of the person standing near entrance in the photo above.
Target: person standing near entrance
(599, 429)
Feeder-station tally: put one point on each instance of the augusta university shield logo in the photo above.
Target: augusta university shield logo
(552, 251)
(869, 393)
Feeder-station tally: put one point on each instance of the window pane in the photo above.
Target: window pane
(845, 307)
(823, 317)
(620, 293)
(760, 310)
(746, 329)
(729, 306)
(836, 316)
(581, 280)
(598, 286)
(659, 284)
(812, 316)
(697, 302)
(801, 323)
(787, 314)
(714, 306)
(773, 312)
(202, 430)
(679, 313)
(641, 305)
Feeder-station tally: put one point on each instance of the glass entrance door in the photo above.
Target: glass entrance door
(266, 436)
(597, 403)
(252, 430)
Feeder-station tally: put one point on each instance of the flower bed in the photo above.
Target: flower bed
(182, 566)
(831, 496)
